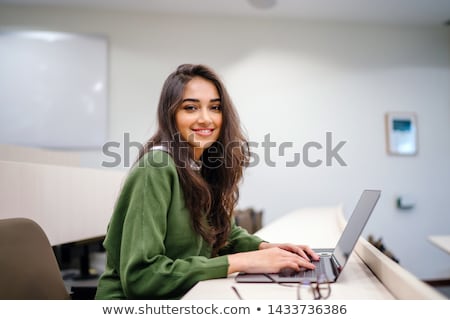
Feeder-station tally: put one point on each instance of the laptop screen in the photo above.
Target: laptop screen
(355, 225)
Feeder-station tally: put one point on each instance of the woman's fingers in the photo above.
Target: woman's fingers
(296, 261)
(302, 250)
(310, 252)
(272, 258)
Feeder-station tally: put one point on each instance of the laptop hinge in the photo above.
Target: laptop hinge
(337, 268)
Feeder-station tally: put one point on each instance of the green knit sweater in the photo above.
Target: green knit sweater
(152, 251)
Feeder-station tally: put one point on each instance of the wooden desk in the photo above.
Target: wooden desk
(321, 228)
(442, 242)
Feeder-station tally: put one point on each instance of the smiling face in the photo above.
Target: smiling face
(199, 117)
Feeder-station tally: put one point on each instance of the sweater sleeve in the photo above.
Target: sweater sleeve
(144, 268)
(240, 241)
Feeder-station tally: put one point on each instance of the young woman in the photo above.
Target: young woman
(172, 225)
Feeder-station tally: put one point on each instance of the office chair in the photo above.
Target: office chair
(249, 219)
(28, 266)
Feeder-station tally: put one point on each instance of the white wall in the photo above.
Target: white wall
(296, 81)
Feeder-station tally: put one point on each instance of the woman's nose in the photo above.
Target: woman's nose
(204, 116)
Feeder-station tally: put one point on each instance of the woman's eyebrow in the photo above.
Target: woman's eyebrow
(190, 100)
(197, 100)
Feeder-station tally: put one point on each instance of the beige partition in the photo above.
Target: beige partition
(70, 203)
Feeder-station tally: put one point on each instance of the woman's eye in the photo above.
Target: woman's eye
(217, 108)
(189, 108)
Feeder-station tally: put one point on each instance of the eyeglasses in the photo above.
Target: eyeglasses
(307, 290)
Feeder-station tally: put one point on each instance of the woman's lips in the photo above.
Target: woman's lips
(203, 132)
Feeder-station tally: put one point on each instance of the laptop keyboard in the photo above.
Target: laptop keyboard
(307, 273)
(317, 271)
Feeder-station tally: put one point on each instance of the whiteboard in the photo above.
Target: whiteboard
(53, 89)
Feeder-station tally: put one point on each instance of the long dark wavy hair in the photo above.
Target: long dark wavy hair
(210, 196)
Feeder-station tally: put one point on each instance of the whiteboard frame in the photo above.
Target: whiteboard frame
(55, 89)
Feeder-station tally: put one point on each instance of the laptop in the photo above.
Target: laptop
(332, 260)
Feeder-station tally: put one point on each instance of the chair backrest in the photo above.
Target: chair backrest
(249, 219)
(28, 266)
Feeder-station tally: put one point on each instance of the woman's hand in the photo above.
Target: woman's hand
(302, 250)
(271, 258)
